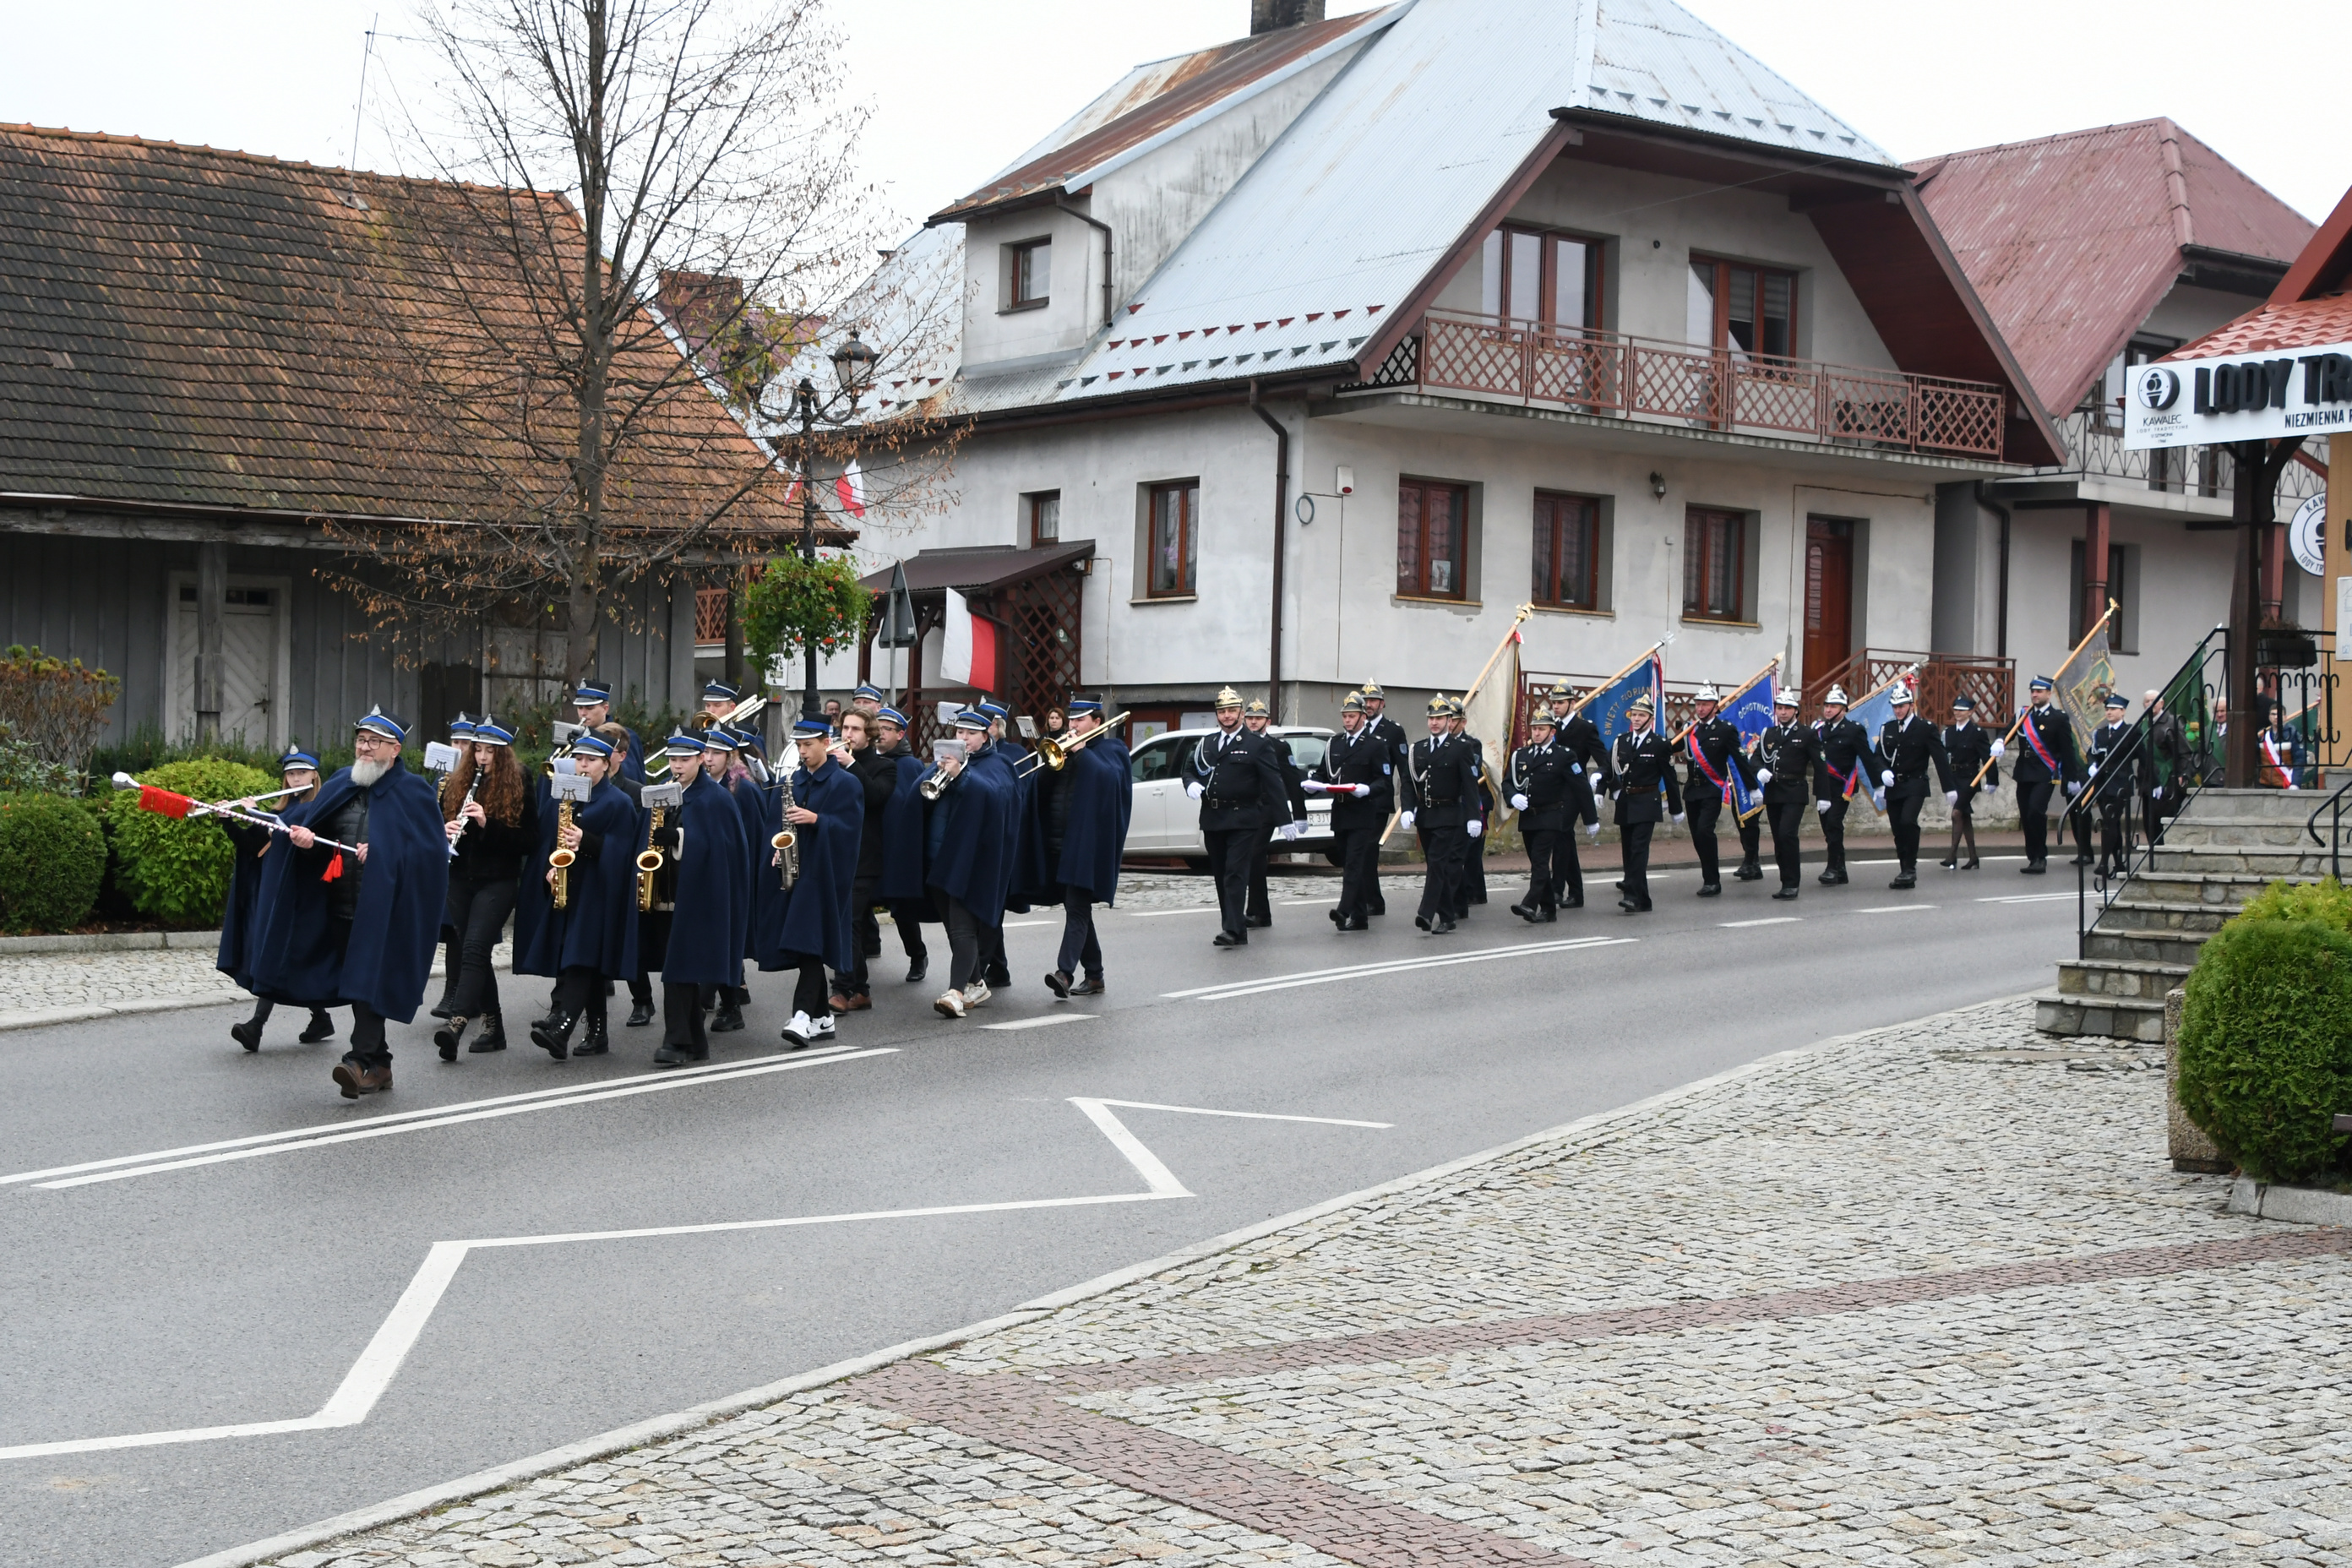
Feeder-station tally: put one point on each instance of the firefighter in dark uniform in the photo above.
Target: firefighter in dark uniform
(1237, 777)
(1390, 734)
(2045, 759)
(1711, 754)
(1549, 791)
(1972, 749)
(2114, 756)
(1255, 719)
(1907, 744)
(1472, 888)
(1357, 775)
(1786, 755)
(1844, 763)
(1441, 799)
(1581, 739)
(1645, 764)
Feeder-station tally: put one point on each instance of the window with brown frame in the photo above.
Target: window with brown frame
(1567, 552)
(1175, 538)
(1541, 275)
(1041, 515)
(1432, 525)
(1714, 565)
(1735, 306)
(1030, 274)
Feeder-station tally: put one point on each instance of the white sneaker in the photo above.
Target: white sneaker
(821, 1028)
(976, 993)
(797, 1032)
(950, 1005)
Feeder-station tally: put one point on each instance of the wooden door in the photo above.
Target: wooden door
(1828, 595)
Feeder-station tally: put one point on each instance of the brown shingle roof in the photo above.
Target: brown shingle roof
(186, 326)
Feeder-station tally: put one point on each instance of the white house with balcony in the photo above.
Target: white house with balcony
(1318, 354)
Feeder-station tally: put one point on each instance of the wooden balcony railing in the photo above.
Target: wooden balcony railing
(1534, 362)
(1991, 682)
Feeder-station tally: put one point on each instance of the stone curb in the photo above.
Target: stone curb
(2297, 1206)
(654, 1429)
(35, 1017)
(112, 942)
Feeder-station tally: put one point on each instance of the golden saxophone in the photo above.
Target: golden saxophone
(787, 843)
(561, 858)
(649, 860)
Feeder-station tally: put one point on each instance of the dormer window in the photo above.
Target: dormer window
(1028, 274)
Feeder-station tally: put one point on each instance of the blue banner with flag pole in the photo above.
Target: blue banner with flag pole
(1749, 710)
(1873, 712)
(1607, 705)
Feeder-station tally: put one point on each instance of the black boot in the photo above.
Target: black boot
(1710, 890)
(641, 1012)
(1749, 871)
(1544, 916)
(729, 1016)
(493, 1036)
(1905, 879)
(552, 1034)
(446, 1038)
(249, 1034)
(918, 967)
(597, 1042)
(320, 1027)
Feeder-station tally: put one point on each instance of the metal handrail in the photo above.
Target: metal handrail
(2334, 843)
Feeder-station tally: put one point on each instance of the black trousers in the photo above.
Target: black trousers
(1633, 843)
(854, 981)
(682, 1024)
(1788, 824)
(1360, 871)
(1260, 903)
(1445, 850)
(477, 912)
(1905, 815)
(811, 995)
(2115, 839)
(965, 934)
(2079, 811)
(1834, 833)
(1751, 838)
(1546, 881)
(1705, 808)
(368, 1046)
(2151, 817)
(1081, 949)
(580, 988)
(1231, 851)
(2033, 812)
(641, 988)
(1473, 873)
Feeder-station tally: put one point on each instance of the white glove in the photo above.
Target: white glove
(1294, 830)
(1951, 797)
(1477, 828)
(1763, 775)
(1361, 790)
(2156, 793)
(1592, 774)
(1405, 820)
(2000, 749)
(1678, 819)
(2095, 770)
(1592, 831)
(1888, 777)
(1822, 806)
(1518, 803)
(1195, 791)
(2074, 789)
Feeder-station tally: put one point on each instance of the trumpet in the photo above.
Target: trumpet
(561, 858)
(934, 783)
(1055, 754)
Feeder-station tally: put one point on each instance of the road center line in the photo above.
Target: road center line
(1155, 914)
(2029, 898)
(1771, 920)
(1399, 966)
(1890, 908)
(1041, 1020)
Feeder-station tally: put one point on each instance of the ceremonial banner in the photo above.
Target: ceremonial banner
(2086, 679)
(1749, 709)
(1873, 713)
(1489, 710)
(1607, 708)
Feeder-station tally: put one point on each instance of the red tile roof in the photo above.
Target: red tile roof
(2300, 324)
(2071, 240)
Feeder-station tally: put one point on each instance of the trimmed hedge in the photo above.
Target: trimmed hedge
(52, 862)
(177, 869)
(2266, 1035)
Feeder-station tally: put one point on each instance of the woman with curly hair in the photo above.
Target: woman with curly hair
(491, 812)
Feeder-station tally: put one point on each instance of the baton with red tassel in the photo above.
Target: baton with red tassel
(168, 803)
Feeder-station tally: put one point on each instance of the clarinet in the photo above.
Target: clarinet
(471, 785)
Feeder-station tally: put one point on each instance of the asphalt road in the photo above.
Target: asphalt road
(242, 1285)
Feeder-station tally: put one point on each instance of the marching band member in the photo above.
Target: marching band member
(641, 987)
(1258, 913)
(1084, 809)
(590, 938)
(1711, 754)
(1786, 756)
(1441, 801)
(1550, 793)
(970, 835)
(591, 707)
(1970, 748)
(1907, 745)
(358, 928)
(806, 926)
(699, 926)
(1237, 777)
(1643, 764)
(240, 920)
(1844, 764)
(866, 699)
(461, 738)
(491, 818)
(1359, 773)
(2045, 759)
(877, 778)
(900, 881)
(721, 766)
(718, 700)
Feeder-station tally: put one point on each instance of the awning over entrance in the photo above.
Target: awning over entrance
(1034, 597)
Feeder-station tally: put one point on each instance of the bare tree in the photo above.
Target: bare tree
(515, 315)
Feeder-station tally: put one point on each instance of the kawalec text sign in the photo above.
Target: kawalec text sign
(2243, 397)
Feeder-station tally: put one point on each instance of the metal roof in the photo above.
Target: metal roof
(2071, 240)
(977, 568)
(1653, 60)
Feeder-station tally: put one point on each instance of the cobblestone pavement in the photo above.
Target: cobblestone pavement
(1931, 1295)
(183, 976)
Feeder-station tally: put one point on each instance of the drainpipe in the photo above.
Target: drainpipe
(2001, 644)
(1062, 203)
(1281, 510)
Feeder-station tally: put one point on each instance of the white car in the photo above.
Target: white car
(1167, 822)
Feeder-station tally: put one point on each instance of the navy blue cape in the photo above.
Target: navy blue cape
(711, 924)
(395, 931)
(978, 851)
(813, 916)
(599, 930)
(904, 840)
(752, 804)
(1102, 800)
(239, 932)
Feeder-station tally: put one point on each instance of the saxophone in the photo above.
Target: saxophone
(649, 861)
(561, 858)
(787, 843)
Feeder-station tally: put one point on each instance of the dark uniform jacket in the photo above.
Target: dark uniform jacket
(2057, 735)
(1363, 758)
(1557, 792)
(1582, 739)
(1441, 782)
(1242, 781)
(1790, 753)
(2114, 759)
(1717, 740)
(1969, 747)
(2164, 755)
(1905, 748)
(1646, 763)
(1843, 747)
(876, 773)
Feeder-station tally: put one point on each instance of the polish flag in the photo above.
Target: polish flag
(850, 489)
(968, 645)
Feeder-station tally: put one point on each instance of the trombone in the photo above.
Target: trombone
(1055, 754)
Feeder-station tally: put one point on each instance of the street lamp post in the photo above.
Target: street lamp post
(852, 371)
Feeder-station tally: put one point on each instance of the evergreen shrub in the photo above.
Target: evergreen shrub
(52, 860)
(177, 869)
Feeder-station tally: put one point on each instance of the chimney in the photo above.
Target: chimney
(1272, 15)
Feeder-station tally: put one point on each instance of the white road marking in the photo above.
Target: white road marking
(381, 1361)
(1041, 1020)
(1397, 966)
(2031, 899)
(1774, 920)
(1155, 914)
(1016, 925)
(381, 1129)
(1890, 908)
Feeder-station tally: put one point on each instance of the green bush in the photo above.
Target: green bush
(177, 869)
(2266, 1042)
(25, 770)
(52, 859)
(2328, 902)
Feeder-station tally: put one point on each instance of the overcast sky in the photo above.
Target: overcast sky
(958, 87)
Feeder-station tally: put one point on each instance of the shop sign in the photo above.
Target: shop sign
(2244, 397)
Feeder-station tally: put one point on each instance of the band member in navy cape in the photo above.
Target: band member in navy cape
(906, 844)
(240, 920)
(971, 836)
(593, 706)
(806, 926)
(593, 937)
(701, 912)
(1082, 813)
(721, 766)
(754, 786)
(492, 821)
(1026, 878)
(358, 928)
(878, 779)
